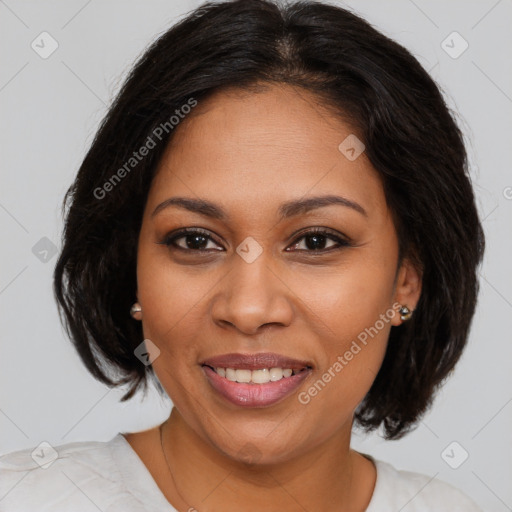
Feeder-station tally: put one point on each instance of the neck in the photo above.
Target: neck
(329, 477)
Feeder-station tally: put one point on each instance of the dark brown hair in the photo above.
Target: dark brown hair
(411, 139)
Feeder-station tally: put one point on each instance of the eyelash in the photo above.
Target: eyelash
(170, 240)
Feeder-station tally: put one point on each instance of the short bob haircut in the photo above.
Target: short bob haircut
(369, 81)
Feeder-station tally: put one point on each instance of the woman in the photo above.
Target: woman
(275, 222)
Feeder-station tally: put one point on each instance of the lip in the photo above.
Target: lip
(255, 395)
(255, 361)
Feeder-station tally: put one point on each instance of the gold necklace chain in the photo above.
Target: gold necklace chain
(160, 428)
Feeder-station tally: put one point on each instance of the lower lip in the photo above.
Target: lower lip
(255, 395)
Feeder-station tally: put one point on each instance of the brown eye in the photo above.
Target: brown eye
(194, 240)
(316, 240)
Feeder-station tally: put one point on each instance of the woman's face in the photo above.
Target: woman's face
(256, 280)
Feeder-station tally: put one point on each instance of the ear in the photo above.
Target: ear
(407, 289)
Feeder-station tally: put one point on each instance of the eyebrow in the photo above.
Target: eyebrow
(286, 210)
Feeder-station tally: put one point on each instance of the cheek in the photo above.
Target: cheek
(343, 301)
(171, 321)
(171, 296)
(354, 358)
(171, 301)
(353, 311)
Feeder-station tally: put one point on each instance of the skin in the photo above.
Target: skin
(249, 152)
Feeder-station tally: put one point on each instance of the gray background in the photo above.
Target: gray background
(50, 109)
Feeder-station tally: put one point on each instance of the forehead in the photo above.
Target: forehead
(249, 149)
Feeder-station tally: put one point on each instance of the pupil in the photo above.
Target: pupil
(318, 240)
(197, 240)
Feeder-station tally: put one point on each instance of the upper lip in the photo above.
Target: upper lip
(255, 361)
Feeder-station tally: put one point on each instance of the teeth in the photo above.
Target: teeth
(243, 375)
(276, 374)
(231, 374)
(261, 376)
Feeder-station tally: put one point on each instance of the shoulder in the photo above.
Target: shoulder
(415, 492)
(78, 476)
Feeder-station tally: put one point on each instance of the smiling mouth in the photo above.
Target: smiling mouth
(256, 394)
(255, 380)
(257, 376)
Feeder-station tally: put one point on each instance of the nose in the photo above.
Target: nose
(252, 296)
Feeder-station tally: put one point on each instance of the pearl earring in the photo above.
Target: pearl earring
(405, 313)
(136, 311)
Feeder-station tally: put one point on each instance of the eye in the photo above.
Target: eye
(194, 239)
(315, 240)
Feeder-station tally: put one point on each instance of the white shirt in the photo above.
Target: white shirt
(110, 477)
